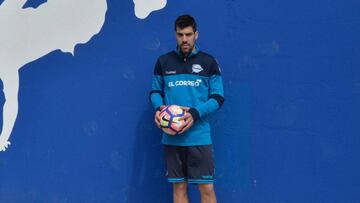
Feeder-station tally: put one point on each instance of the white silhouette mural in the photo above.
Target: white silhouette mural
(144, 7)
(29, 34)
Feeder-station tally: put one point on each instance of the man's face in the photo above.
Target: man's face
(186, 38)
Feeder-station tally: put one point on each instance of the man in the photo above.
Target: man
(189, 78)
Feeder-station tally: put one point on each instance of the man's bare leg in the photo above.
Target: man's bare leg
(207, 193)
(180, 192)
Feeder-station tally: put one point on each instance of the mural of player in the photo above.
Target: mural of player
(27, 34)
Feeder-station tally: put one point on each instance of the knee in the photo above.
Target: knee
(206, 189)
(180, 188)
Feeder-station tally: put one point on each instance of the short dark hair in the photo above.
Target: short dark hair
(184, 21)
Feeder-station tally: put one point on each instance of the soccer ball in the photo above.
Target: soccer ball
(169, 119)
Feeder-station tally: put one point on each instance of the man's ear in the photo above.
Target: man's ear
(196, 35)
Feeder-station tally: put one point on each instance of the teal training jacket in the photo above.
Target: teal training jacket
(193, 81)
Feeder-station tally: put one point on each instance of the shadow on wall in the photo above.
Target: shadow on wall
(148, 168)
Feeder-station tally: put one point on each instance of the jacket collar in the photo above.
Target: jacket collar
(192, 54)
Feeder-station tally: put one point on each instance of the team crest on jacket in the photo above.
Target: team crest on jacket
(196, 68)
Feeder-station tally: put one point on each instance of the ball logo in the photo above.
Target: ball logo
(165, 119)
(196, 68)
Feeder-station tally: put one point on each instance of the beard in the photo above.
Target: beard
(186, 48)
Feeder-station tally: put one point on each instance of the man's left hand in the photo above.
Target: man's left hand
(189, 121)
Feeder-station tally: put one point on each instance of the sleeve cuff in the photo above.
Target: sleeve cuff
(158, 109)
(219, 99)
(194, 113)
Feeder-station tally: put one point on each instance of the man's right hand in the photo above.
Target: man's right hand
(157, 116)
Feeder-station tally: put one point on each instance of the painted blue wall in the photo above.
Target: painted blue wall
(288, 131)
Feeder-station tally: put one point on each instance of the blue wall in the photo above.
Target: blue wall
(288, 131)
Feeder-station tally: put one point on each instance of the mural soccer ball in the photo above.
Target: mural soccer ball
(169, 119)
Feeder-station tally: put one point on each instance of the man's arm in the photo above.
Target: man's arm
(157, 87)
(215, 101)
(216, 98)
(157, 92)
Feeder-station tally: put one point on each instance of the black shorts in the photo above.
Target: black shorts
(192, 164)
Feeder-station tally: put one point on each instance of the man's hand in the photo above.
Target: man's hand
(185, 108)
(157, 116)
(189, 121)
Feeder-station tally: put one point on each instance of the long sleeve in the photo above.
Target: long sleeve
(216, 95)
(157, 87)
